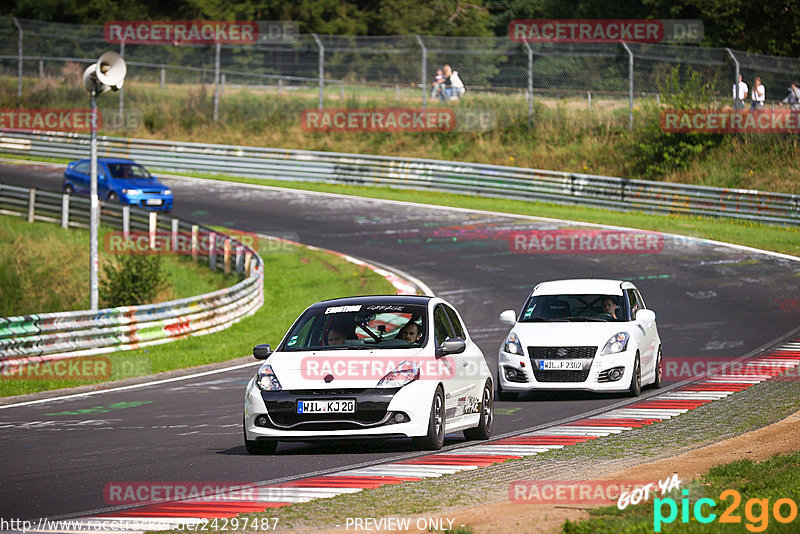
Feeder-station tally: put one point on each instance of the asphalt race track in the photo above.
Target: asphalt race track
(712, 302)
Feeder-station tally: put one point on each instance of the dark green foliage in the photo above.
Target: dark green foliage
(132, 280)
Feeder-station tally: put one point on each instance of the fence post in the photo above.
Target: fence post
(226, 255)
(589, 98)
(19, 64)
(239, 258)
(424, 78)
(630, 84)
(530, 82)
(248, 257)
(396, 92)
(122, 89)
(163, 76)
(216, 81)
(341, 92)
(65, 211)
(212, 251)
(31, 203)
(153, 226)
(280, 85)
(41, 68)
(195, 232)
(735, 79)
(126, 223)
(321, 70)
(175, 225)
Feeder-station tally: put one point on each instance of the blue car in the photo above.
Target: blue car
(119, 180)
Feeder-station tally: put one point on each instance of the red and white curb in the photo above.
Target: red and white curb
(648, 411)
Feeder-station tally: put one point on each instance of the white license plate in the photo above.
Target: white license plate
(153, 201)
(558, 365)
(328, 406)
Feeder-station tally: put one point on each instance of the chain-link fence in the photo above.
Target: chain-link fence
(347, 71)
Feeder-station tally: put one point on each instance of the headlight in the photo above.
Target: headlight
(132, 192)
(405, 373)
(266, 379)
(617, 343)
(167, 192)
(513, 345)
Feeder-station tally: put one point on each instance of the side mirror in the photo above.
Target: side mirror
(451, 345)
(647, 316)
(509, 317)
(102, 177)
(262, 352)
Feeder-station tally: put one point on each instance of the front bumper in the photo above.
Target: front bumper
(596, 377)
(147, 200)
(273, 415)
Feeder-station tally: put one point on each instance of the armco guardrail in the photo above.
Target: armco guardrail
(411, 173)
(80, 333)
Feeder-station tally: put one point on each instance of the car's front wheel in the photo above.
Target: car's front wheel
(484, 428)
(69, 190)
(659, 372)
(434, 439)
(635, 388)
(259, 446)
(112, 197)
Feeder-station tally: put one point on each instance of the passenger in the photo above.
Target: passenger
(335, 337)
(410, 332)
(609, 306)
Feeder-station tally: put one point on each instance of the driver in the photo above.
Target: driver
(335, 337)
(609, 306)
(410, 332)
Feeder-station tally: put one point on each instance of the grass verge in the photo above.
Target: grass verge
(294, 278)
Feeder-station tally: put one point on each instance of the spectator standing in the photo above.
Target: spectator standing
(758, 95)
(739, 93)
(453, 86)
(438, 84)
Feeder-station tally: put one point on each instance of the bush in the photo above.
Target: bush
(130, 280)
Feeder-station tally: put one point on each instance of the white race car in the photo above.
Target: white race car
(594, 335)
(370, 367)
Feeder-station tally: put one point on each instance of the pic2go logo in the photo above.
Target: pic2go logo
(757, 522)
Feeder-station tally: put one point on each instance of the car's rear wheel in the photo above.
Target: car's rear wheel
(659, 372)
(69, 190)
(434, 439)
(635, 388)
(484, 428)
(505, 396)
(260, 446)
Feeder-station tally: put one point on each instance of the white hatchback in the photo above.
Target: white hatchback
(592, 335)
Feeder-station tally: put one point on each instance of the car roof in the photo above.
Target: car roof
(582, 286)
(375, 299)
(108, 160)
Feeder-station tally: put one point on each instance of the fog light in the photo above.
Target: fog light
(400, 418)
(511, 374)
(261, 420)
(615, 374)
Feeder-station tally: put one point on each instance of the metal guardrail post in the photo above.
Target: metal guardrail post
(530, 82)
(31, 204)
(212, 251)
(216, 81)
(19, 61)
(226, 255)
(65, 211)
(152, 229)
(175, 224)
(126, 223)
(248, 260)
(424, 78)
(321, 71)
(195, 232)
(630, 84)
(239, 258)
(163, 77)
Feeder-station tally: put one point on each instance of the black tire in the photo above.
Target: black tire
(484, 430)
(259, 446)
(434, 440)
(505, 396)
(635, 389)
(69, 190)
(659, 371)
(112, 197)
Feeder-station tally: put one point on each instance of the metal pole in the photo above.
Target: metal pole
(216, 82)
(630, 85)
(163, 77)
(735, 79)
(321, 70)
(121, 89)
(94, 206)
(530, 82)
(19, 64)
(424, 83)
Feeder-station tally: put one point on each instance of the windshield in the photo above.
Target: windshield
(128, 171)
(359, 326)
(583, 307)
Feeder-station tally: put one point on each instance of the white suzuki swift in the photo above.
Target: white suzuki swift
(370, 367)
(593, 335)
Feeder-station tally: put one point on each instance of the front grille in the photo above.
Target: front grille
(561, 353)
(371, 408)
(561, 375)
(329, 421)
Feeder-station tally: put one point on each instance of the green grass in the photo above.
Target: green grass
(294, 278)
(31, 254)
(772, 479)
(769, 237)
